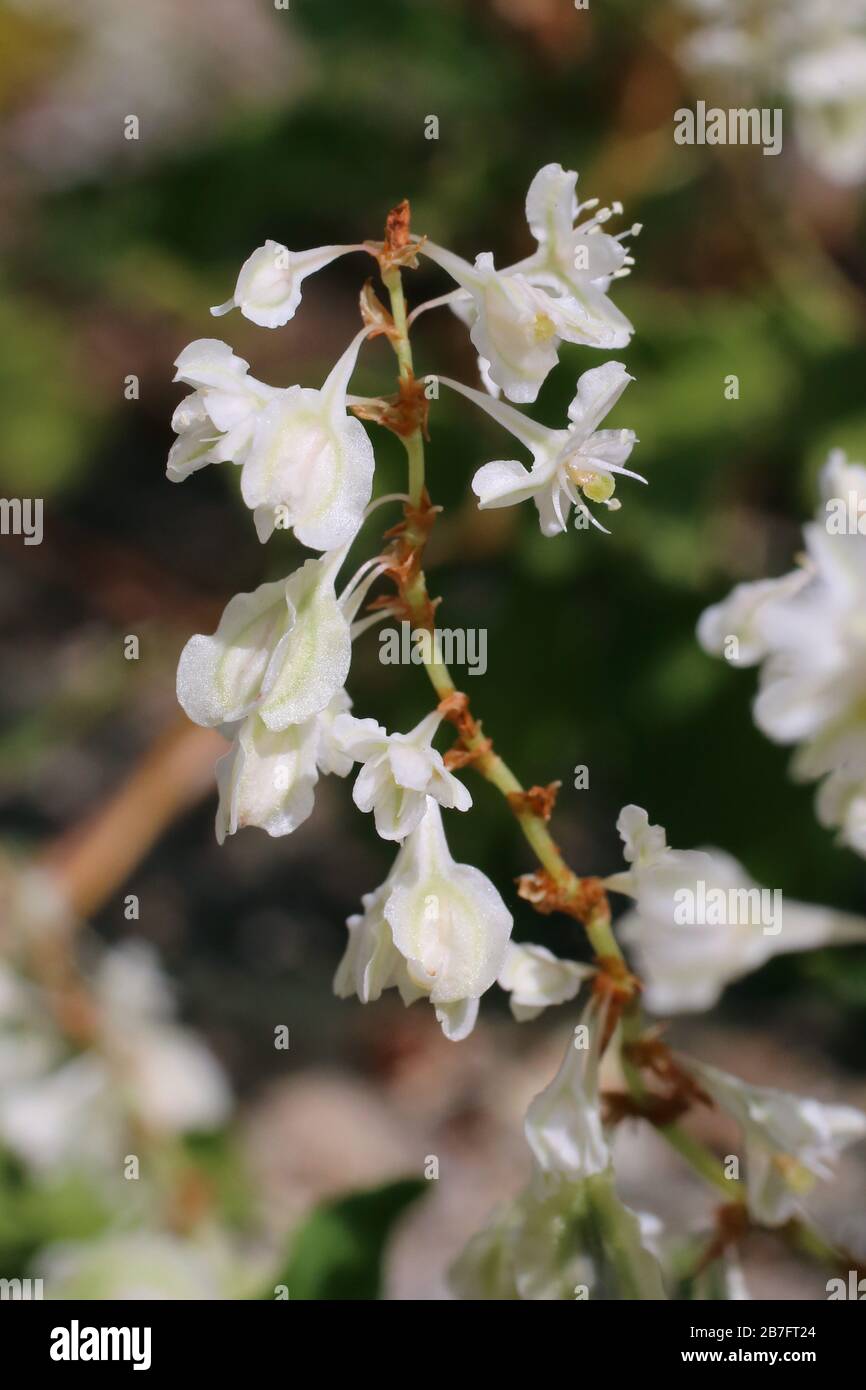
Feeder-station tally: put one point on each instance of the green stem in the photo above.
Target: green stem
(703, 1162)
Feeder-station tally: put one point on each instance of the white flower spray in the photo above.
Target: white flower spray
(273, 677)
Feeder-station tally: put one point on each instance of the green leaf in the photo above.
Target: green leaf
(337, 1253)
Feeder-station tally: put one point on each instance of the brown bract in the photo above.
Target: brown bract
(538, 801)
(471, 743)
(578, 897)
(399, 248)
(406, 410)
(732, 1224)
(674, 1091)
(377, 318)
(403, 565)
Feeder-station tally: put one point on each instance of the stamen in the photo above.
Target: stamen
(362, 624)
(386, 497)
(358, 586)
(436, 303)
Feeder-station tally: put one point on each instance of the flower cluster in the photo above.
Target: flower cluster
(806, 632)
(568, 1235)
(66, 1109)
(812, 52)
(273, 677)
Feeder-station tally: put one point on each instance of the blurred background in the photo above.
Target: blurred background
(306, 124)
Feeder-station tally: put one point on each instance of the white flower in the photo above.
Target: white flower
(563, 1124)
(535, 978)
(656, 871)
(399, 772)
(841, 802)
(174, 1082)
(434, 929)
(575, 258)
(518, 316)
(790, 1141)
(311, 461)
(560, 1240)
(61, 1117)
(58, 1111)
(268, 779)
(828, 89)
(807, 630)
(217, 422)
(281, 652)
(687, 958)
(305, 463)
(268, 290)
(150, 1265)
(517, 326)
(568, 465)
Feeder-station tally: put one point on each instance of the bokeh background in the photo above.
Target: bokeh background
(306, 125)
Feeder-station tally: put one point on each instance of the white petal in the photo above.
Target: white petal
(220, 678)
(536, 979)
(537, 437)
(210, 363)
(371, 962)
(503, 483)
(742, 615)
(550, 205)
(457, 1020)
(448, 920)
(317, 652)
(598, 391)
(563, 1124)
(267, 779)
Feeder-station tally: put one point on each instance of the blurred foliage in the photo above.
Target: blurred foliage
(35, 1213)
(337, 1253)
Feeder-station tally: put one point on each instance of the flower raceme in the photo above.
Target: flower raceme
(273, 678)
(273, 674)
(59, 1111)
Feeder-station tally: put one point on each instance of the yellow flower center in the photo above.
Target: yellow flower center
(598, 487)
(543, 328)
